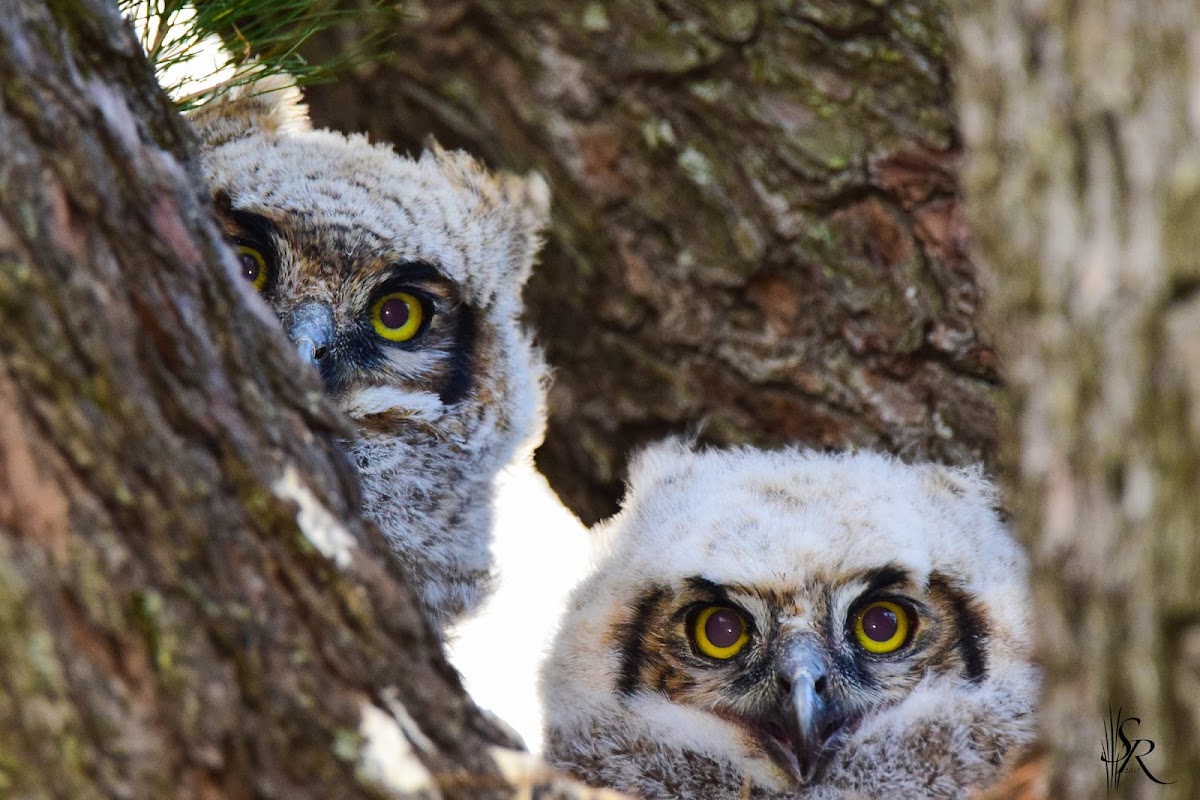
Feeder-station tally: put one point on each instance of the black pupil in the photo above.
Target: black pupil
(723, 628)
(250, 267)
(394, 313)
(880, 624)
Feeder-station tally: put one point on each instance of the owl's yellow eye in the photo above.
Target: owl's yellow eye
(254, 266)
(397, 317)
(719, 632)
(881, 627)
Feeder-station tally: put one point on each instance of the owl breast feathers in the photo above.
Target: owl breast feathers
(795, 625)
(400, 281)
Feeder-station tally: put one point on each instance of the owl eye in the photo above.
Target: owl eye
(398, 316)
(254, 266)
(881, 627)
(719, 632)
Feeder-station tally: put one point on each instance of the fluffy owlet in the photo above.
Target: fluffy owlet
(795, 625)
(400, 281)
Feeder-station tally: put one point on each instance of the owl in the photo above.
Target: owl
(791, 624)
(399, 281)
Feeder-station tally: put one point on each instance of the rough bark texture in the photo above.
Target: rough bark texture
(1083, 124)
(757, 229)
(169, 476)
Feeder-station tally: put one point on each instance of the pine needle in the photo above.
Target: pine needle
(201, 49)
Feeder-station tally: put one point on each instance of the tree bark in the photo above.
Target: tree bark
(757, 228)
(190, 604)
(1082, 121)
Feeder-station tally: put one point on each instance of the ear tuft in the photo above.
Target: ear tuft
(962, 483)
(530, 196)
(272, 106)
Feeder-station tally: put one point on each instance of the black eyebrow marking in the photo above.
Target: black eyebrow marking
(702, 584)
(257, 228)
(412, 271)
(884, 577)
(705, 586)
(633, 657)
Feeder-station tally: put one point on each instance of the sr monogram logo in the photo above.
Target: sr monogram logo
(1119, 749)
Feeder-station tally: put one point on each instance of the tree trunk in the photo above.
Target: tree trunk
(1083, 124)
(190, 604)
(757, 228)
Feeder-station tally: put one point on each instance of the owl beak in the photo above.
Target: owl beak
(808, 715)
(310, 328)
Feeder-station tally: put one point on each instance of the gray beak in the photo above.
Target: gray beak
(310, 327)
(808, 714)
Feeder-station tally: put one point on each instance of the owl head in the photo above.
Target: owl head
(779, 621)
(399, 280)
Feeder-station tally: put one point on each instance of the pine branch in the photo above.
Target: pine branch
(201, 49)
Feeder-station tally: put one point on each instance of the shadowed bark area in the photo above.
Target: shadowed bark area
(190, 605)
(1083, 121)
(757, 227)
